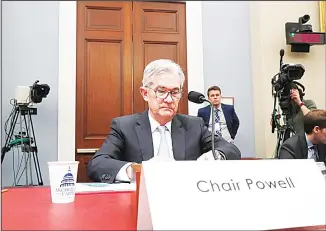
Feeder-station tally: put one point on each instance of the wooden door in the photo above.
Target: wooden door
(115, 41)
(159, 31)
(104, 66)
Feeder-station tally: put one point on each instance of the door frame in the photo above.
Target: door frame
(67, 70)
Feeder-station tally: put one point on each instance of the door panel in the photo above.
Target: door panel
(159, 31)
(115, 41)
(104, 64)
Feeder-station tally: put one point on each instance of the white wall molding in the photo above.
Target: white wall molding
(67, 69)
(67, 80)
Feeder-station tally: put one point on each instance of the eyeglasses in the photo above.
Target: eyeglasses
(163, 94)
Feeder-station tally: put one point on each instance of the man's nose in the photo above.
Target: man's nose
(168, 99)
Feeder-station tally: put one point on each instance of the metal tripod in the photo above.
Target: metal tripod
(283, 133)
(26, 141)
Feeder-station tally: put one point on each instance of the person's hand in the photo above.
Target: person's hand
(130, 172)
(232, 141)
(206, 156)
(295, 96)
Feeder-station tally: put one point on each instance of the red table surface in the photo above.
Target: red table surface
(32, 209)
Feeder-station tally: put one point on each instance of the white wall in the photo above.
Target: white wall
(267, 38)
(29, 53)
(227, 62)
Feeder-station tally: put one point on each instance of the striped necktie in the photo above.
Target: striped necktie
(217, 123)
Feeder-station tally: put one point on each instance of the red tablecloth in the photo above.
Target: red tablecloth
(32, 209)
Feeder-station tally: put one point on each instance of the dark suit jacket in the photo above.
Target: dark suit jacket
(130, 140)
(232, 120)
(296, 147)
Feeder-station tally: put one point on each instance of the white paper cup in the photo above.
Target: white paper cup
(63, 177)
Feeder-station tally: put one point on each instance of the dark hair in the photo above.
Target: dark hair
(301, 93)
(314, 118)
(213, 88)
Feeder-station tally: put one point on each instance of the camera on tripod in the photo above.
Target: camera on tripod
(283, 85)
(25, 140)
(25, 95)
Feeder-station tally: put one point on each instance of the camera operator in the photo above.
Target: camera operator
(299, 108)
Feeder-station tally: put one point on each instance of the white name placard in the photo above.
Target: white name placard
(231, 195)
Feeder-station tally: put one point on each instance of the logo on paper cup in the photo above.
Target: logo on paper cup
(67, 185)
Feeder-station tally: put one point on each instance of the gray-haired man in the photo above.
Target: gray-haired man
(158, 133)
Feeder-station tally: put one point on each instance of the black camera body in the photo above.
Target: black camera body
(39, 91)
(281, 86)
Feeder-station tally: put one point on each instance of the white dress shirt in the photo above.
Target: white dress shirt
(222, 124)
(156, 136)
(312, 153)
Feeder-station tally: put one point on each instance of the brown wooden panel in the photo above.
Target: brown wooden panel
(83, 161)
(165, 21)
(104, 68)
(159, 31)
(103, 72)
(107, 18)
(153, 51)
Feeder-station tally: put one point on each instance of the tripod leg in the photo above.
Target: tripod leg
(22, 145)
(279, 143)
(29, 149)
(287, 133)
(9, 137)
(35, 156)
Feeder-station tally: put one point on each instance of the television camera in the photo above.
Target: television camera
(25, 95)
(282, 83)
(25, 139)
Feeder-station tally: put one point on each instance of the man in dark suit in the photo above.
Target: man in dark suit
(226, 120)
(156, 134)
(310, 144)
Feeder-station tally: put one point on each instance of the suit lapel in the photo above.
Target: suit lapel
(304, 146)
(206, 113)
(208, 118)
(178, 139)
(226, 113)
(321, 152)
(144, 134)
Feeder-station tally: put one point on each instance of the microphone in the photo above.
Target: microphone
(282, 53)
(197, 97)
(281, 58)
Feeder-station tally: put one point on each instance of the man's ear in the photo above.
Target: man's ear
(316, 129)
(144, 93)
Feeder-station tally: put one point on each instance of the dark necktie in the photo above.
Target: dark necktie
(217, 123)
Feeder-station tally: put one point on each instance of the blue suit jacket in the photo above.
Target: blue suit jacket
(232, 120)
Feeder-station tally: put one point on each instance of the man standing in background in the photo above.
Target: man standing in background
(225, 118)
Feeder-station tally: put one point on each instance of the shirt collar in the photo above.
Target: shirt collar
(154, 124)
(219, 107)
(308, 142)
